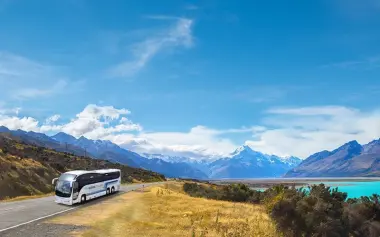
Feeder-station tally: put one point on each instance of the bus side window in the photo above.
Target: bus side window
(115, 175)
(99, 178)
(85, 180)
(106, 177)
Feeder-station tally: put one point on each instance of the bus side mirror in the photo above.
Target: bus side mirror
(54, 182)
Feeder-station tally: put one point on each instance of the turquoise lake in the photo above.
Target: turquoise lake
(356, 189)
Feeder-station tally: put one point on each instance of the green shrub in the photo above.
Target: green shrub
(313, 212)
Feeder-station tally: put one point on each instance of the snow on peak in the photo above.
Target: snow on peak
(241, 149)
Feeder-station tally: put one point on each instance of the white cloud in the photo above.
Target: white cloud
(180, 34)
(24, 123)
(304, 131)
(94, 122)
(52, 119)
(200, 141)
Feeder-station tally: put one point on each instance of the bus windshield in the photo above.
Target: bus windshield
(67, 177)
(63, 188)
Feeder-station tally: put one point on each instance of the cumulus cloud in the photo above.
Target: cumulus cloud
(24, 123)
(94, 122)
(199, 140)
(179, 34)
(306, 130)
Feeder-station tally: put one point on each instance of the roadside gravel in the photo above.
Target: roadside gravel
(40, 229)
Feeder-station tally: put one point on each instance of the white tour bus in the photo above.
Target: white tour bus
(79, 186)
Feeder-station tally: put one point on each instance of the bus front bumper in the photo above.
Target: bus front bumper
(65, 201)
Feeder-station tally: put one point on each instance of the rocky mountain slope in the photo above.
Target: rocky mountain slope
(349, 160)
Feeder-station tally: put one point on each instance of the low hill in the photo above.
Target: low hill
(28, 170)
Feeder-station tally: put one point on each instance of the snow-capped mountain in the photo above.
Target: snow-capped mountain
(247, 163)
(291, 160)
(242, 163)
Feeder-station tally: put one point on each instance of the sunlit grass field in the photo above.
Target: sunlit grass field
(166, 211)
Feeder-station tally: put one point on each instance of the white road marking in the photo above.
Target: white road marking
(28, 222)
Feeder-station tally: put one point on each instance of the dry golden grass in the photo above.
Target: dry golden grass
(20, 163)
(166, 211)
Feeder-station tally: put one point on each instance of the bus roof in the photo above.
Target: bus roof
(103, 171)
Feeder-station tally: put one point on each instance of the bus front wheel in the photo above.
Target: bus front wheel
(108, 191)
(112, 190)
(83, 199)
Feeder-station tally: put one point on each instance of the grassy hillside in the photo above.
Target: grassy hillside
(167, 211)
(28, 170)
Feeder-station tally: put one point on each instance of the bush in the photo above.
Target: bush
(313, 212)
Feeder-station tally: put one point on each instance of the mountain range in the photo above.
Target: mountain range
(242, 163)
(349, 160)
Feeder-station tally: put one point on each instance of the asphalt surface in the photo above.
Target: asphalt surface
(26, 214)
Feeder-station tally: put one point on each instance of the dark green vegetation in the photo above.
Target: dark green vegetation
(316, 212)
(28, 170)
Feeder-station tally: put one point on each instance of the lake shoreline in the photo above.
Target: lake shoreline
(264, 183)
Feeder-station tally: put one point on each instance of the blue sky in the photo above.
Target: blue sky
(197, 77)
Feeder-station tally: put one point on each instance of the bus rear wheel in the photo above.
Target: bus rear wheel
(112, 190)
(108, 191)
(83, 199)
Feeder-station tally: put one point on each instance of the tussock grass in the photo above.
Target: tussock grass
(166, 211)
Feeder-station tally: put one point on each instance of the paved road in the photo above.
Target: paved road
(19, 213)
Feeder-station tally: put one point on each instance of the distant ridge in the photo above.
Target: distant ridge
(348, 160)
